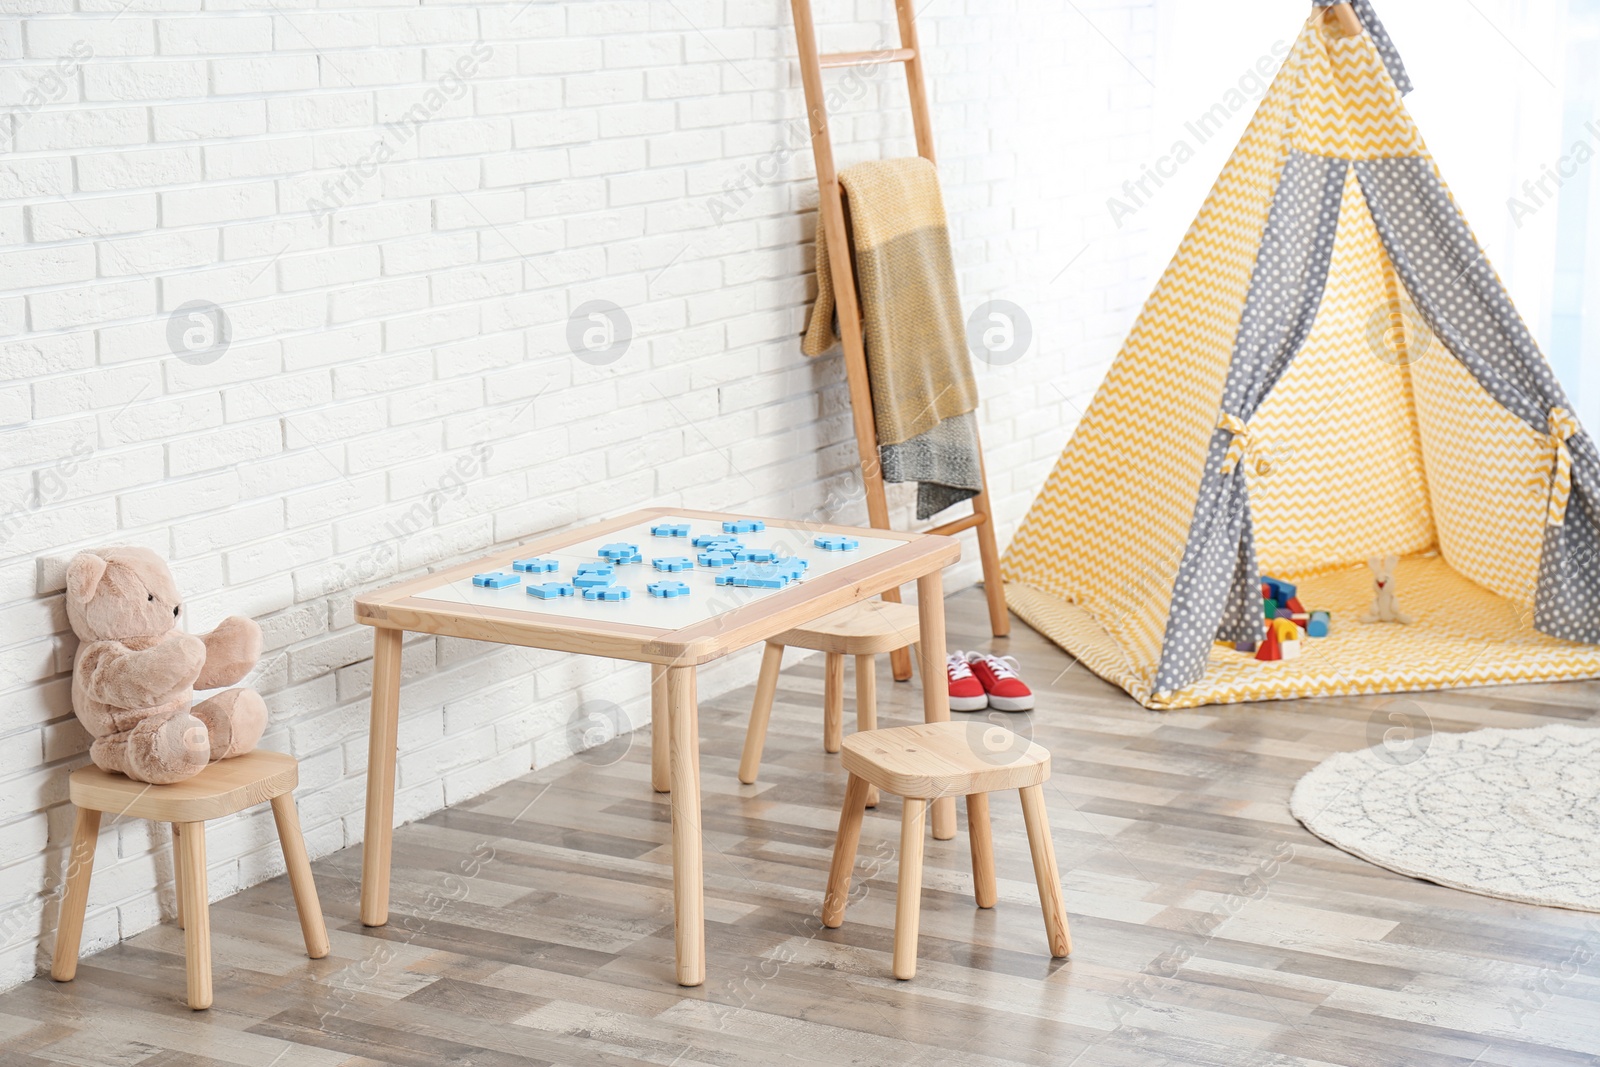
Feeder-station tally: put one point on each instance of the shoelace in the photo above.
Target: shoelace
(956, 664)
(1002, 666)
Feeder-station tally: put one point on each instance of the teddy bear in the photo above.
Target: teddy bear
(135, 673)
(1385, 606)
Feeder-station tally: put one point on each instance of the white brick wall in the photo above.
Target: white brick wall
(397, 208)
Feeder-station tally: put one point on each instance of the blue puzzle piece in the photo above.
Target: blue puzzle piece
(495, 580)
(708, 540)
(672, 563)
(607, 592)
(755, 555)
(593, 575)
(754, 576)
(670, 529)
(717, 558)
(739, 526)
(552, 590)
(792, 568)
(536, 566)
(620, 552)
(668, 589)
(836, 543)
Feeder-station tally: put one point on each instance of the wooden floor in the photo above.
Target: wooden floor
(532, 925)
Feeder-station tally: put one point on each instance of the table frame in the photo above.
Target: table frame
(673, 655)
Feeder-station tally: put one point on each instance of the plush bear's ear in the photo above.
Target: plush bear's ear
(83, 576)
(1390, 562)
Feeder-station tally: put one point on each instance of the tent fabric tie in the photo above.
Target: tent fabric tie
(1563, 428)
(1240, 443)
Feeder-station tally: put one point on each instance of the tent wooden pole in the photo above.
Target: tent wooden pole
(832, 221)
(1345, 16)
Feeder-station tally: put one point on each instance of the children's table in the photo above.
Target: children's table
(675, 634)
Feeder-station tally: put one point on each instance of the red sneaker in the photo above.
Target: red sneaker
(998, 676)
(966, 692)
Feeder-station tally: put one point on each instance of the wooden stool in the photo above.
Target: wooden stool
(922, 763)
(863, 630)
(221, 789)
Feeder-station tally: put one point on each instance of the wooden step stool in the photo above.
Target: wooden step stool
(921, 763)
(865, 631)
(223, 788)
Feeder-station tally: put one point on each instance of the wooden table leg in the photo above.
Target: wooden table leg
(383, 729)
(660, 731)
(688, 869)
(935, 691)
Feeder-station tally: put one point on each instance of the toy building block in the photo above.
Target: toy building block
(594, 575)
(1289, 649)
(708, 540)
(552, 590)
(740, 526)
(1321, 623)
(1271, 650)
(716, 557)
(667, 590)
(536, 566)
(620, 552)
(670, 529)
(1301, 619)
(607, 592)
(1285, 629)
(1293, 604)
(1245, 646)
(1283, 613)
(495, 580)
(755, 555)
(1280, 590)
(1269, 608)
(670, 564)
(836, 543)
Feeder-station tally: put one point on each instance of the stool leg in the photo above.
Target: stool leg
(983, 883)
(844, 852)
(312, 928)
(908, 904)
(1051, 900)
(867, 706)
(755, 735)
(75, 901)
(197, 931)
(833, 703)
(660, 742)
(177, 882)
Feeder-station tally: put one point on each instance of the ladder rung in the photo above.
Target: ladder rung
(966, 522)
(867, 59)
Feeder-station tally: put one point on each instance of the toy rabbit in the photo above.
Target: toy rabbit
(1385, 608)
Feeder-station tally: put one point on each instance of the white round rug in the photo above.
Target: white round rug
(1505, 813)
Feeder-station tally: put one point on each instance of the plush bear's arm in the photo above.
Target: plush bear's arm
(232, 650)
(123, 678)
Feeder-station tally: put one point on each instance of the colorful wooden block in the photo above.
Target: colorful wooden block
(1269, 608)
(739, 526)
(1271, 650)
(670, 529)
(836, 543)
(1245, 646)
(495, 580)
(667, 590)
(1321, 623)
(1293, 604)
(1285, 629)
(536, 566)
(1278, 589)
(672, 564)
(552, 590)
(607, 592)
(1289, 649)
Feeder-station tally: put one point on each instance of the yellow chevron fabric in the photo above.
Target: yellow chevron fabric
(1375, 441)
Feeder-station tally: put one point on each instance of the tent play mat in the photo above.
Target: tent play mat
(1328, 370)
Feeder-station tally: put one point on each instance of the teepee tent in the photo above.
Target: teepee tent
(1328, 371)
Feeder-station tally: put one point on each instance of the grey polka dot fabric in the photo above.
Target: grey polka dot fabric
(1217, 593)
(1380, 40)
(1464, 303)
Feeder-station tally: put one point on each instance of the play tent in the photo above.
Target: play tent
(1329, 370)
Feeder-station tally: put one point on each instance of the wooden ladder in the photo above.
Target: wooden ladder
(832, 210)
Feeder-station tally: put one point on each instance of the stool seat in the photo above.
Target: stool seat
(942, 759)
(223, 788)
(869, 628)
